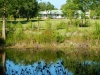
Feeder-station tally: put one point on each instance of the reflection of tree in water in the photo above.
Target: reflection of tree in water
(2, 62)
(87, 68)
(38, 68)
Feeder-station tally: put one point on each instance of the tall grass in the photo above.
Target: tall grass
(52, 31)
(97, 31)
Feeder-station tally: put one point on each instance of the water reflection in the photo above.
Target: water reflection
(2, 62)
(38, 68)
(27, 62)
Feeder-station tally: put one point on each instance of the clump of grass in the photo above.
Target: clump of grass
(60, 38)
(97, 31)
(47, 36)
(97, 28)
(19, 25)
(61, 25)
(29, 25)
(48, 24)
(10, 39)
(84, 24)
(77, 22)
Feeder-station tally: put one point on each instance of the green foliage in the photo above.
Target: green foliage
(28, 8)
(92, 14)
(60, 38)
(61, 25)
(47, 36)
(77, 22)
(86, 24)
(46, 6)
(10, 39)
(97, 30)
(48, 24)
(29, 26)
(20, 8)
(69, 8)
(19, 25)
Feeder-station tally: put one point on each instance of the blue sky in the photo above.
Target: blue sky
(56, 3)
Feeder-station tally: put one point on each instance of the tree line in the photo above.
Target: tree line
(23, 8)
(71, 6)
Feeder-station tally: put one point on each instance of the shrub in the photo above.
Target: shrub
(97, 28)
(48, 24)
(29, 25)
(86, 24)
(19, 25)
(60, 38)
(97, 31)
(61, 25)
(47, 36)
(10, 39)
(76, 23)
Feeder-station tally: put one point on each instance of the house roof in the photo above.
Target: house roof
(56, 12)
(51, 12)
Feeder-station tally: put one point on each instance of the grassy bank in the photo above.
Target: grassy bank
(53, 34)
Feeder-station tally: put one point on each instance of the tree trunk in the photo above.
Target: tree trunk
(3, 26)
(28, 18)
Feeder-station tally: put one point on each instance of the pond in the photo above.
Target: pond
(49, 62)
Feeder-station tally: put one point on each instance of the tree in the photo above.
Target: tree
(28, 9)
(3, 11)
(23, 8)
(49, 6)
(69, 9)
(95, 6)
(85, 5)
(42, 6)
(73, 5)
(46, 6)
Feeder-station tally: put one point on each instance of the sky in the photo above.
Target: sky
(56, 3)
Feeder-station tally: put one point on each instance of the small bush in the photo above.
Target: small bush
(60, 38)
(29, 25)
(47, 36)
(97, 31)
(97, 28)
(86, 24)
(19, 25)
(10, 40)
(61, 25)
(48, 24)
(76, 23)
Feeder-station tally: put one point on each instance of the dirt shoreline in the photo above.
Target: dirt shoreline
(54, 46)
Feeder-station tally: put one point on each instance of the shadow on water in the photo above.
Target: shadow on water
(46, 62)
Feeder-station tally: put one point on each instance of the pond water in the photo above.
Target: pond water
(49, 62)
(37, 68)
